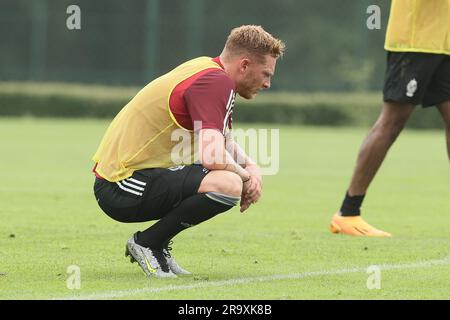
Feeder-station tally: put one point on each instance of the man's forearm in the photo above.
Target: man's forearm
(238, 153)
(235, 167)
(231, 165)
(214, 155)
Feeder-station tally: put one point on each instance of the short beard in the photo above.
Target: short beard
(246, 94)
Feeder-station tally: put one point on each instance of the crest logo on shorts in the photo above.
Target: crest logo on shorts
(411, 88)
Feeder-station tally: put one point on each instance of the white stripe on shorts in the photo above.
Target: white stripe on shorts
(137, 181)
(133, 186)
(128, 190)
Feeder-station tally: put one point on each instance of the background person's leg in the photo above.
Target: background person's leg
(444, 109)
(374, 149)
(410, 79)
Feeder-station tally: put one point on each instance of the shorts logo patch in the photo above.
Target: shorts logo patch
(411, 88)
(205, 170)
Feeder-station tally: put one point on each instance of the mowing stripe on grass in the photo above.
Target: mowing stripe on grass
(233, 282)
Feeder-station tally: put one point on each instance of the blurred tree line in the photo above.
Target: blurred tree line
(329, 47)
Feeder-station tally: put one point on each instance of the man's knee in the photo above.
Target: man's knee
(390, 127)
(230, 185)
(393, 119)
(224, 182)
(444, 109)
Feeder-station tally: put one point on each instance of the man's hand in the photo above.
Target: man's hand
(254, 189)
(251, 191)
(245, 202)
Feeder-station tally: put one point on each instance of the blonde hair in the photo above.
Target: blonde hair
(253, 40)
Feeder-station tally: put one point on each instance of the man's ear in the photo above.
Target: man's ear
(244, 64)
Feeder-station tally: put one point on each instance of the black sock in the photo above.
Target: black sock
(351, 206)
(190, 212)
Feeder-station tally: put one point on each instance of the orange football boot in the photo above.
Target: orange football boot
(355, 226)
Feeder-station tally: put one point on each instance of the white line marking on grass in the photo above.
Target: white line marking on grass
(239, 281)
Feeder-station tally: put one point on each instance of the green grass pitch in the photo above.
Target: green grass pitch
(280, 249)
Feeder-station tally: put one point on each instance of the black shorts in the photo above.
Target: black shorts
(148, 194)
(417, 78)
